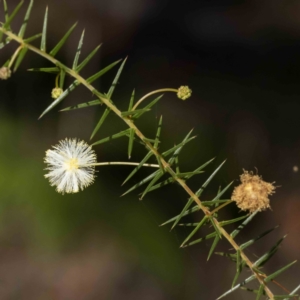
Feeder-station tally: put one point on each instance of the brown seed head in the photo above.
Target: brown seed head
(252, 194)
(5, 73)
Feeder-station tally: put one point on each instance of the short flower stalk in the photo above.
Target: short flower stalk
(71, 165)
(183, 93)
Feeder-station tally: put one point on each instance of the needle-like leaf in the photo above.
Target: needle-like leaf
(26, 19)
(87, 59)
(54, 51)
(112, 137)
(44, 32)
(78, 51)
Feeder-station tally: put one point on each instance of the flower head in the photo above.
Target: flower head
(70, 165)
(5, 73)
(56, 92)
(184, 92)
(252, 194)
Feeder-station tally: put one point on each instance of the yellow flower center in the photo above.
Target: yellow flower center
(72, 164)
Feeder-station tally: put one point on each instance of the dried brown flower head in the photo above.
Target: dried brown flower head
(252, 194)
(5, 73)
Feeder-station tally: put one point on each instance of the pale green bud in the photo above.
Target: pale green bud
(184, 92)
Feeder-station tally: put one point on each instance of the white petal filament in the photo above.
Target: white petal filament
(71, 165)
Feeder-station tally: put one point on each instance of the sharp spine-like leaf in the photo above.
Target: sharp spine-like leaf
(252, 241)
(78, 51)
(87, 59)
(61, 97)
(52, 70)
(143, 161)
(148, 178)
(82, 105)
(240, 227)
(9, 18)
(213, 246)
(54, 51)
(202, 222)
(26, 19)
(278, 272)
(44, 32)
(114, 136)
(21, 56)
(130, 142)
(252, 277)
(109, 95)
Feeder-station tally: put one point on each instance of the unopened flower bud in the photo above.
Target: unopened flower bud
(184, 92)
(252, 194)
(5, 73)
(56, 92)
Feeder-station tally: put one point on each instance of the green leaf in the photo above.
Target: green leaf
(205, 184)
(26, 19)
(87, 59)
(292, 293)
(109, 95)
(9, 18)
(211, 219)
(61, 97)
(213, 246)
(133, 113)
(116, 79)
(260, 291)
(101, 121)
(178, 150)
(252, 277)
(131, 101)
(54, 51)
(148, 178)
(78, 51)
(102, 72)
(44, 32)
(202, 222)
(240, 227)
(158, 133)
(207, 237)
(32, 38)
(62, 78)
(148, 106)
(130, 142)
(239, 267)
(21, 56)
(171, 150)
(153, 181)
(267, 256)
(52, 70)
(224, 223)
(278, 272)
(112, 137)
(252, 241)
(143, 161)
(82, 105)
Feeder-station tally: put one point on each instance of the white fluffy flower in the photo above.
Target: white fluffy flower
(70, 165)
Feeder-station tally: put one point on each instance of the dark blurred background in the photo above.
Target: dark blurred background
(241, 59)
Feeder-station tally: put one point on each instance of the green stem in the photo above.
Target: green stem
(148, 145)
